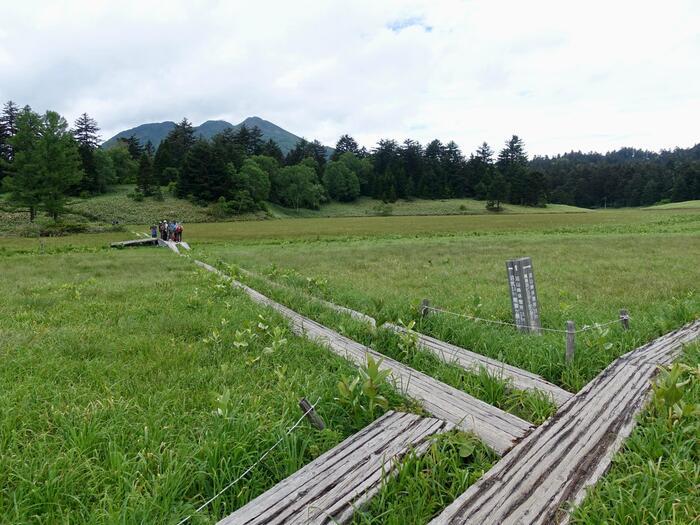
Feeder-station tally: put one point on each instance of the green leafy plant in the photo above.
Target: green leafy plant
(222, 403)
(466, 444)
(597, 337)
(408, 340)
(361, 394)
(669, 390)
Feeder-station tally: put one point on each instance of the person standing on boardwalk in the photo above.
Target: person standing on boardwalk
(178, 232)
(154, 231)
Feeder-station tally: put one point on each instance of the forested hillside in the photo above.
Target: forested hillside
(238, 170)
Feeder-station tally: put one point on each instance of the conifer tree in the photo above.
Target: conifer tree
(86, 134)
(8, 129)
(145, 178)
(513, 165)
(174, 148)
(24, 180)
(60, 163)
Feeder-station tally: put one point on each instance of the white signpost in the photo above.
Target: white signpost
(523, 295)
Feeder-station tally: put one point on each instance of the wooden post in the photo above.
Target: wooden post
(424, 309)
(570, 341)
(625, 319)
(41, 246)
(311, 414)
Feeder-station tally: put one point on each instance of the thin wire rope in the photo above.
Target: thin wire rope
(249, 469)
(585, 328)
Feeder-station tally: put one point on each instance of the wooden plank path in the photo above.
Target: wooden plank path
(149, 241)
(471, 361)
(551, 468)
(330, 488)
(495, 427)
(342, 309)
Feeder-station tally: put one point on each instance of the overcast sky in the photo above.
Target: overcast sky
(591, 75)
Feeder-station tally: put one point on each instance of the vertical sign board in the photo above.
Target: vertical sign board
(523, 295)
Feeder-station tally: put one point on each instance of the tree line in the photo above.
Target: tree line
(43, 162)
(625, 177)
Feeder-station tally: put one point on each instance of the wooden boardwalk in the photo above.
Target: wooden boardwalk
(551, 468)
(149, 241)
(495, 427)
(519, 378)
(170, 245)
(330, 488)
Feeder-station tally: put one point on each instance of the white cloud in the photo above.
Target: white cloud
(563, 75)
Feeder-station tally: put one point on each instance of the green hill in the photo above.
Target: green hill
(157, 131)
(685, 205)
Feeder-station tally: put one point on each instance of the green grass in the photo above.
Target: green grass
(117, 206)
(656, 478)
(685, 205)
(101, 211)
(98, 213)
(586, 276)
(366, 206)
(116, 361)
(112, 376)
(529, 406)
(452, 462)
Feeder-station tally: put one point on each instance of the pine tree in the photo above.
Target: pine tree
(145, 179)
(8, 129)
(86, 131)
(271, 149)
(24, 182)
(133, 144)
(497, 192)
(513, 165)
(174, 148)
(192, 180)
(345, 144)
(60, 163)
(86, 134)
(149, 149)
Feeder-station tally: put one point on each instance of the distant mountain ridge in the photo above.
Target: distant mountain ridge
(157, 131)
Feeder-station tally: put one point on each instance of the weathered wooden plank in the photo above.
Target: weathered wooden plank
(338, 308)
(330, 488)
(550, 470)
(519, 378)
(169, 244)
(135, 242)
(495, 427)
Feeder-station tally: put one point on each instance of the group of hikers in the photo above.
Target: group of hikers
(167, 230)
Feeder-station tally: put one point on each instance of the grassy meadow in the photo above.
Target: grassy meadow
(135, 386)
(99, 213)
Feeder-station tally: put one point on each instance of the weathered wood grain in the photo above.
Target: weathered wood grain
(330, 488)
(519, 378)
(548, 472)
(495, 427)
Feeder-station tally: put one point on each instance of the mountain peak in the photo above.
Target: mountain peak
(157, 131)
